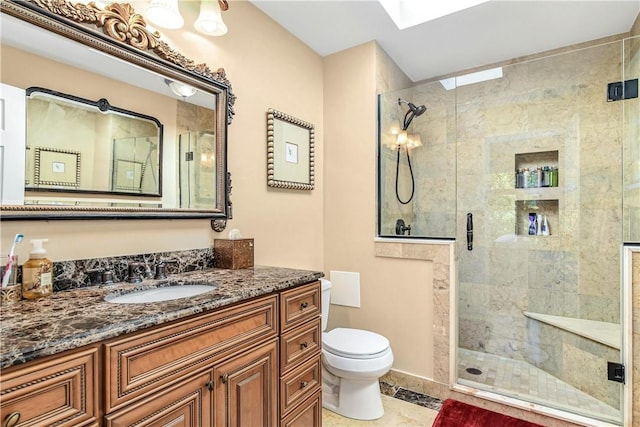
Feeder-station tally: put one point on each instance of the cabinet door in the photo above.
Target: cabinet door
(60, 390)
(186, 404)
(246, 388)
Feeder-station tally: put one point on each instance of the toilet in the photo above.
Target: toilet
(353, 360)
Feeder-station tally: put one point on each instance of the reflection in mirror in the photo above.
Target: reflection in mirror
(90, 52)
(197, 169)
(74, 144)
(197, 155)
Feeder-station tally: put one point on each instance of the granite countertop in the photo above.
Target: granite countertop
(71, 319)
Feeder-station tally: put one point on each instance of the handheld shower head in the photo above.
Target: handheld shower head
(411, 113)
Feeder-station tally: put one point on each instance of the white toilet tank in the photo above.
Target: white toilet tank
(326, 300)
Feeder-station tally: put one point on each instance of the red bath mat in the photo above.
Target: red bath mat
(459, 414)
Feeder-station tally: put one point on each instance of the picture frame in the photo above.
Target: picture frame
(290, 152)
(128, 175)
(56, 167)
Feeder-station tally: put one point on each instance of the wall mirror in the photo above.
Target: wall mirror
(78, 145)
(92, 53)
(290, 152)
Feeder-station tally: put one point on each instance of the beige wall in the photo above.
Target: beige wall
(396, 294)
(268, 67)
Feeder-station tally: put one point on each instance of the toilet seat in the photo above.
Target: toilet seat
(355, 343)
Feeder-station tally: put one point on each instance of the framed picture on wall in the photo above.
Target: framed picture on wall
(290, 152)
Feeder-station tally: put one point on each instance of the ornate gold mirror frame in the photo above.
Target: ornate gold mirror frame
(118, 31)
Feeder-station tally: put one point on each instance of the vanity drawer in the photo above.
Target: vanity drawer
(299, 305)
(140, 363)
(308, 414)
(60, 390)
(299, 344)
(299, 384)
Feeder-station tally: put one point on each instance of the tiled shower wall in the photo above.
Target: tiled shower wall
(558, 104)
(471, 136)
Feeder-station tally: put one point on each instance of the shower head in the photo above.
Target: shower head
(411, 113)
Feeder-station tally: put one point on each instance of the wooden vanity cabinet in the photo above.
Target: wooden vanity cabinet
(141, 363)
(214, 369)
(59, 390)
(300, 356)
(255, 363)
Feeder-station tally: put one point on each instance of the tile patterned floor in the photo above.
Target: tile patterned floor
(521, 378)
(411, 396)
(397, 413)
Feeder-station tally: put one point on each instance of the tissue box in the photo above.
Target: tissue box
(233, 254)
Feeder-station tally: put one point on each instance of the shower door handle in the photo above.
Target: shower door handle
(469, 231)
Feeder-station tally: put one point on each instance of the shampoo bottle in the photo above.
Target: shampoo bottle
(37, 272)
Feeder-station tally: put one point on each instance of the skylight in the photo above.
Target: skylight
(471, 78)
(407, 13)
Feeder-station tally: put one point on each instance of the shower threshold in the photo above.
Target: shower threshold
(521, 380)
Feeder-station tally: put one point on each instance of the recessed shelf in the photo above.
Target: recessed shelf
(543, 208)
(532, 162)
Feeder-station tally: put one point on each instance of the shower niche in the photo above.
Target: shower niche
(537, 194)
(542, 209)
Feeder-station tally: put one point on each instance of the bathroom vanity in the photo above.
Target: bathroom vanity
(246, 353)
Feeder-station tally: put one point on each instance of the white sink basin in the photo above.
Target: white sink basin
(166, 293)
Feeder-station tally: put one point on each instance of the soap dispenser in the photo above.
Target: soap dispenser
(37, 272)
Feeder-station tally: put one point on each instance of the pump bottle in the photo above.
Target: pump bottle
(37, 272)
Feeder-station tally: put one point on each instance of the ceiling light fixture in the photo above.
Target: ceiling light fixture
(182, 90)
(407, 13)
(210, 20)
(165, 14)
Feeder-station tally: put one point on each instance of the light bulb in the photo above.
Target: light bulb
(210, 20)
(402, 138)
(181, 89)
(414, 141)
(165, 14)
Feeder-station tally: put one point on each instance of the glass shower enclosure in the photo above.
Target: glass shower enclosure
(533, 170)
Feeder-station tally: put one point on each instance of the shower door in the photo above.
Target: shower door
(197, 169)
(539, 226)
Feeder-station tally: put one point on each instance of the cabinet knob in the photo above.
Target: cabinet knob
(304, 345)
(303, 384)
(304, 305)
(11, 419)
(224, 378)
(210, 385)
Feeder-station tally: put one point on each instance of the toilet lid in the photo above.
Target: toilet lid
(354, 343)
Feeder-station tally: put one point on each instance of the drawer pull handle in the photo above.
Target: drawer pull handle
(210, 385)
(11, 419)
(224, 378)
(303, 384)
(304, 305)
(304, 345)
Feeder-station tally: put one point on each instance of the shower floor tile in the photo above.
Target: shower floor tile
(520, 378)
